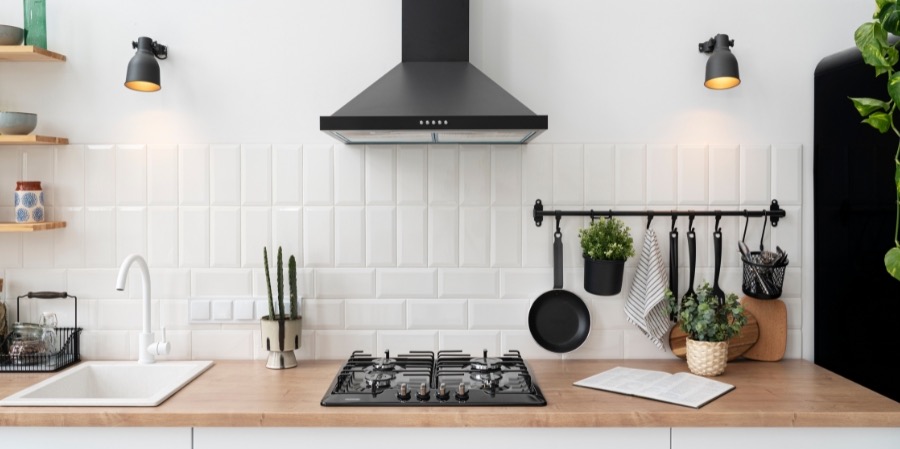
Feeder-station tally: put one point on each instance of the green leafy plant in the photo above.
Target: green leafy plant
(292, 285)
(702, 318)
(607, 239)
(872, 41)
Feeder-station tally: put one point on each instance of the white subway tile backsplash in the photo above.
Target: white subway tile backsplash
(193, 237)
(318, 237)
(443, 236)
(568, 175)
(167, 284)
(406, 283)
(193, 175)
(661, 174)
(200, 309)
(638, 346)
(468, 283)
(221, 310)
(609, 312)
(375, 314)
(68, 243)
(506, 175)
(724, 174)
(243, 309)
(38, 250)
(162, 175)
(131, 175)
(436, 314)
(162, 236)
(287, 170)
(506, 237)
(474, 236)
(349, 236)
(443, 178)
(412, 175)
(693, 169)
(474, 175)
(131, 232)
(287, 231)
(105, 345)
(224, 173)
(11, 171)
(607, 344)
(222, 344)
(412, 233)
(349, 175)
(519, 283)
(380, 178)
(11, 248)
(401, 342)
(756, 173)
(99, 175)
(498, 313)
(221, 283)
(381, 231)
(69, 181)
(323, 313)
(100, 246)
(630, 160)
(788, 234)
(522, 341)
(98, 284)
(599, 174)
(537, 173)
(345, 283)
(337, 345)
(471, 342)
(787, 174)
(536, 241)
(256, 175)
(318, 175)
(256, 233)
(794, 347)
(39, 165)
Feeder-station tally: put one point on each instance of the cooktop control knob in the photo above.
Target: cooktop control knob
(461, 393)
(403, 394)
(442, 393)
(423, 394)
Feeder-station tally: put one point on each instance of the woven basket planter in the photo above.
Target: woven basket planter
(706, 358)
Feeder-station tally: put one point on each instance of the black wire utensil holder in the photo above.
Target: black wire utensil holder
(43, 362)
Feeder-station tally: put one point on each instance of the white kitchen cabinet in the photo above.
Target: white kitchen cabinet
(96, 437)
(779, 437)
(432, 438)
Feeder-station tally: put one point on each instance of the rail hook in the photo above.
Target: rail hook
(649, 218)
(718, 218)
(674, 219)
(592, 216)
(558, 218)
(691, 223)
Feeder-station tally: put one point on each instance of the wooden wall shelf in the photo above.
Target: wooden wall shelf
(32, 139)
(31, 227)
(28, 53)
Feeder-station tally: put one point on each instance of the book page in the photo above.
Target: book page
(623, 380)
(686, 389)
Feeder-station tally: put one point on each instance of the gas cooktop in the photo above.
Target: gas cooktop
(453, 378)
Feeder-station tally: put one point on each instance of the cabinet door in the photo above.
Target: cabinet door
(757, 438)
(96, 437)
(431, 438)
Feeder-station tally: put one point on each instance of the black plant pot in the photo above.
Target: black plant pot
(603, 277)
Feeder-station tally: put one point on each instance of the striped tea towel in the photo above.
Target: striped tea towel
(646, 303)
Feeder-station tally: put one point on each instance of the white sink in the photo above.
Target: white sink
(110, 384)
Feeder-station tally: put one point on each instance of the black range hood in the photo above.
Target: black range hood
(434, 95)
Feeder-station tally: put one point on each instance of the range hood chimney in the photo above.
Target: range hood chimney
(434, 95)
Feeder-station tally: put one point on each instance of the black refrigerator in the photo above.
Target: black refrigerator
(857, 303)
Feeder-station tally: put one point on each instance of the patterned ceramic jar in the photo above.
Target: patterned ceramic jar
(29, 202)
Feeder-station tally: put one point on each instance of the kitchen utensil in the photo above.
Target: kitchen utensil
(10, 35)
(692, 257)
(763, 275)
(673, 266)
(771, 316)
(717, 241)
(737, 345)
(17, 123)
(745, 252)
(559, 320)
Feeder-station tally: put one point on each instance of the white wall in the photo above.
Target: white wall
(242, 91)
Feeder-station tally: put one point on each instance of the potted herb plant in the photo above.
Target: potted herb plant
(709, 325)
(280, 330)
(605, 245)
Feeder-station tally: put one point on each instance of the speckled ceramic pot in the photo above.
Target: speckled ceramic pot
(29, 202)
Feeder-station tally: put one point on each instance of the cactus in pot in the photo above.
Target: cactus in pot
(281, 333)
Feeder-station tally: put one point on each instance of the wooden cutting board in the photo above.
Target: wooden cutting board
(771, 315)
(737, 345)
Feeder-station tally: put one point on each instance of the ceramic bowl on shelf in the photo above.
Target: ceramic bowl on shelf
(10, 35)
(17, 123)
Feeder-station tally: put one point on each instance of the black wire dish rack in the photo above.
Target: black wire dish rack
(19, 361)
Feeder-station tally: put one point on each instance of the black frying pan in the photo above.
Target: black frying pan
(558, 320)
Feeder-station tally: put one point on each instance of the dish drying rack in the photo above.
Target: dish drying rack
(69, 348)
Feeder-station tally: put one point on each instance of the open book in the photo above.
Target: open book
(684, 389)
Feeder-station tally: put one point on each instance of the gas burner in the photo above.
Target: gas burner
(386, 363)
(379, 378)
(489, 379)
(486, 363)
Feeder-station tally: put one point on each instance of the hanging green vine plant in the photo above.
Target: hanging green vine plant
(872, 41)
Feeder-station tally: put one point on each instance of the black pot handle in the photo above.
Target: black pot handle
(557, 260)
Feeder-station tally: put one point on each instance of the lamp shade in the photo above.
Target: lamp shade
(722, 67)
(143, 70)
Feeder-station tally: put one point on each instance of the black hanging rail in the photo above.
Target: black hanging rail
(774, 212)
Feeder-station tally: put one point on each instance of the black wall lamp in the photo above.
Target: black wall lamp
(143, 70)
(722, 66)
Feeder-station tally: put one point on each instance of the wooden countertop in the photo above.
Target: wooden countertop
(791, 393)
